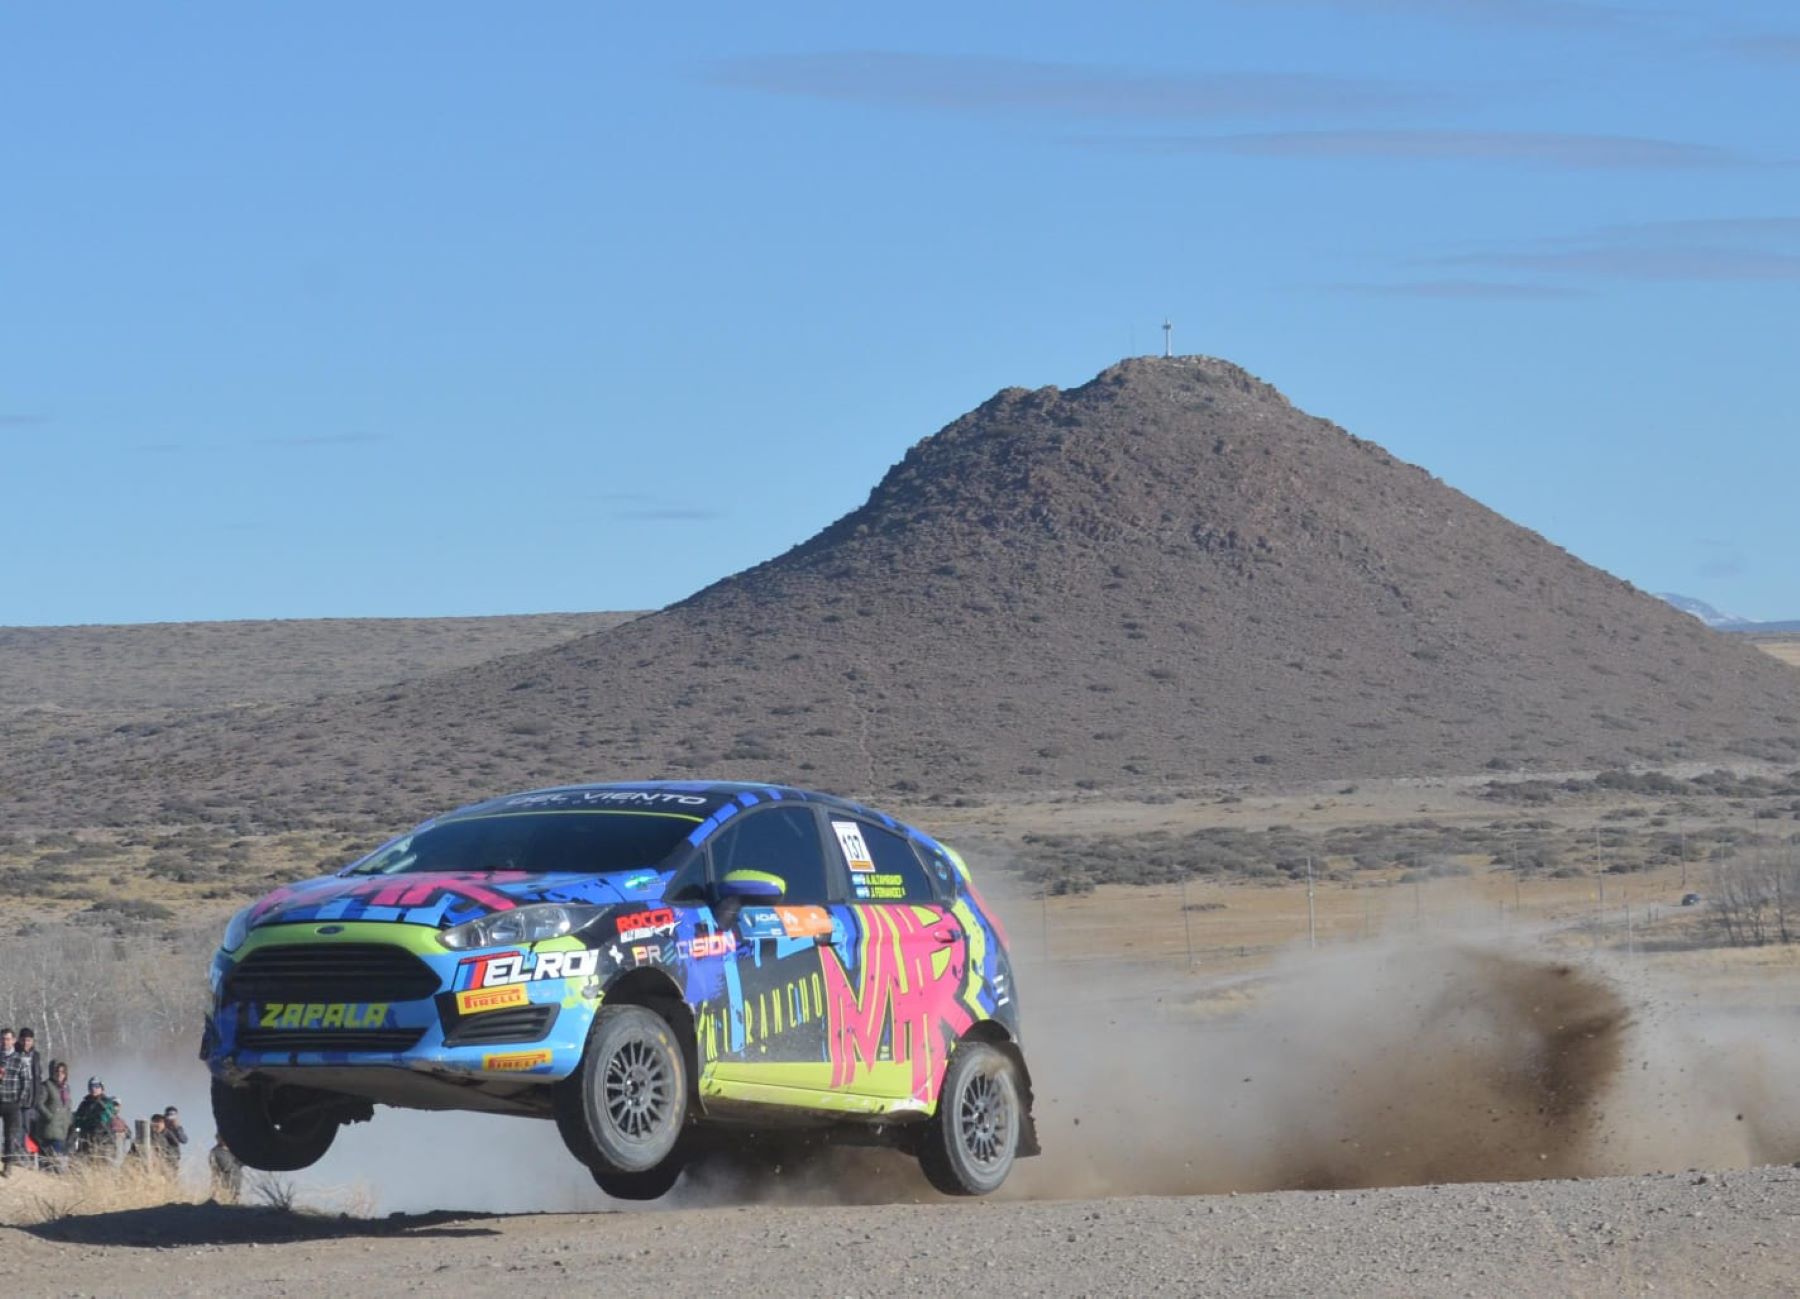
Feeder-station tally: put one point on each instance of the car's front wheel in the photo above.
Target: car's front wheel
(271, 1131)
(622, 1112)
(969, 1144)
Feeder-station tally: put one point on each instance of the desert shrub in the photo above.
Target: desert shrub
(34, 880)
(125, 915)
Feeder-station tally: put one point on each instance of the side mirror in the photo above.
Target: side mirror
(751, 886)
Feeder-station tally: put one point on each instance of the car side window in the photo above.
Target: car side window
(781, 840)
(938, 866)
(883, 867)
(689, 881)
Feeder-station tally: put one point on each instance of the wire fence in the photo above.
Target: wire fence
(1212, 926)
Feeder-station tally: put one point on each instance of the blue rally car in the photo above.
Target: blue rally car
(657, 967)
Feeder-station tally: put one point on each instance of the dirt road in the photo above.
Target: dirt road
(1687, 1233)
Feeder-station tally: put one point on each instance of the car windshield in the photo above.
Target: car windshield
(590, 842)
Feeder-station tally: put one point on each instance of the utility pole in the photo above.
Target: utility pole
(1168, 338)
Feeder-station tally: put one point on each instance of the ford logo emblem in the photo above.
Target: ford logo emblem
(329, 929)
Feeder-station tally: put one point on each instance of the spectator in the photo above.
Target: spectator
(172, 1121)
(55, 1114)
(97, 1125)
(165, 1151)
(15, 1098)
(28, 1112)
(227, 1172)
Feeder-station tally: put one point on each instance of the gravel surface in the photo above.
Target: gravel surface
(1685, 1233)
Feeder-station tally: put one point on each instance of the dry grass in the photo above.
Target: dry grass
(1785, 648)
(34, 1198)
(31, 1198)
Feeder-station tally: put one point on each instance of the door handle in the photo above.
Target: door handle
(946, 936)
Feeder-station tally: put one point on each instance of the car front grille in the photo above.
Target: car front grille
(517, 1024)
(329, 1039)
(330, 972)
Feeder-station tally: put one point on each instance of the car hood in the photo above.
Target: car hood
(446, 899)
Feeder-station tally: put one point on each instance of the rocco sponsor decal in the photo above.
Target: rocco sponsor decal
(323, 1014)
(500, 998)
(856, 850)
(646, 924)
(501, 968)
(516, 1062)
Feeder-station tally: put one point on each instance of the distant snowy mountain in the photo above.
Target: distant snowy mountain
(1722, 621)
(1704, 611)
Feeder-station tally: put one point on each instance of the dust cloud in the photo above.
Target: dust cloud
(1384, 1064)
(1396, 1064)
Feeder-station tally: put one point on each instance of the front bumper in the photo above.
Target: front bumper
(338, 997)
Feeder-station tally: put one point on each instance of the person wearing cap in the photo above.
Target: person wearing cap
(165, 1151)
(55, 1113)
(97, 1124)
(15, 1099)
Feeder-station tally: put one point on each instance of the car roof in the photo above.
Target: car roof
(700, 798)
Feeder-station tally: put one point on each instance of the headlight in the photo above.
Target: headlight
(520, 925)
(237, 929)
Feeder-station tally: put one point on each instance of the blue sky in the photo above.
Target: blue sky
(418, 309)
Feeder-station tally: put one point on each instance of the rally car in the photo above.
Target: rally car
(659, 967)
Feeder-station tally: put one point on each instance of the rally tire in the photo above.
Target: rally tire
(650, 1185)
(968, 1146)
(622, 1112)
(242, 1117)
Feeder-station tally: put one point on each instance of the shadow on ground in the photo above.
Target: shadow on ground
(234, 1224)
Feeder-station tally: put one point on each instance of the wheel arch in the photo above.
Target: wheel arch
(655, 990)
(995, 1034)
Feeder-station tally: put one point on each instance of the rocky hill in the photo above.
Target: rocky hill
(140, 669)
(1168, 574)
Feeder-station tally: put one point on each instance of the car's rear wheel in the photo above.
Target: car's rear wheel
(622, 1112)
(270, 1130)
(968, 1146)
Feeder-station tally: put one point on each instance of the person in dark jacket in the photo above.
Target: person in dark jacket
(165, 1151)
(15, 1099)
(97, 1126)
(172, 1121)
(227, 1172)
(28, 1048)
(55, 1115)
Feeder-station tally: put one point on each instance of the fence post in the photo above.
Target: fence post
(1312, 920)
(1044, 912)
(1187, 923)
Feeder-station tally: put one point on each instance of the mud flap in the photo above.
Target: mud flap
(1028, 1140)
